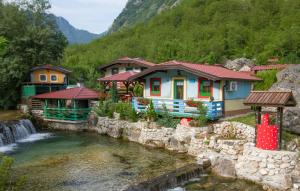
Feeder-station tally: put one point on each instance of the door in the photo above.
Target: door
(178, 89)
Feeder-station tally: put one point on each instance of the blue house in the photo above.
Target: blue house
(177, 84)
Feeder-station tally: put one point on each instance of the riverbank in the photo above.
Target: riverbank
(228, 146)
(88, 161)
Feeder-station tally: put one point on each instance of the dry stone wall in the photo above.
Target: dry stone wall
(228, 157)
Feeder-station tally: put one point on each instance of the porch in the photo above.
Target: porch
(179, 108)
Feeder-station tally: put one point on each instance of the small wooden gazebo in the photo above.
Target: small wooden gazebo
(278, 99)
(69, 104)
(119, 78)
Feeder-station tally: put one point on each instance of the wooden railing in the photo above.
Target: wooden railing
(68, 114)
(178, 108)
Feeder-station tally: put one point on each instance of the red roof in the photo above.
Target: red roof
(214, 72)
(269, 67)
(127, 60)
(118, 77)
(73, 93)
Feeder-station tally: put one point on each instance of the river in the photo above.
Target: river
(87, 161)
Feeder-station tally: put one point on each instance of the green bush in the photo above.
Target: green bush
(126, 111)
(113, 93)
(138, 90)
(268, 77)
(105, 109)
(166, 120)
(7, 181)
(202, 118)
(150, 114)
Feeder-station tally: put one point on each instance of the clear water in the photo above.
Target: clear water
(87, 161)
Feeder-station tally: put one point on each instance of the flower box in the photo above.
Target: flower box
(143, 101)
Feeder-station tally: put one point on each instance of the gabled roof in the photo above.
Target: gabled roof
(51, 67)
(271, 98)
(73, 93)
(213, 72)
(269, 67)
(118, 77)
(127, 60)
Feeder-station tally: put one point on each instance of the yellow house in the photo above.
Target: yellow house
(49, 74)
(45, 78)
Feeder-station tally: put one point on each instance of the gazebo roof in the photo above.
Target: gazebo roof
(121, 77)
(271, 99)
(73, 93)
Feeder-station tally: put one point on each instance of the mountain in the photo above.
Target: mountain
(201, 31)
(139, 11)
(74, 36)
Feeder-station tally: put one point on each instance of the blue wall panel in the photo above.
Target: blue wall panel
(243, 90)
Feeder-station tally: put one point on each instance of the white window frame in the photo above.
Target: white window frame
(43, 75)
(53, 75)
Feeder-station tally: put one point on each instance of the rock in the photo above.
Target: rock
(223, 167)
(291, 120)
(263, 171)
(239, 63)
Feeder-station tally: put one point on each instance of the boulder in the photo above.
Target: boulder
(291, 120)
(239, 63)
(223, 166)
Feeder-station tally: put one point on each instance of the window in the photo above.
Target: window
(205, 88)
(53, 78)
(155, 86)
(129, 69)
(43, 77)
(114, 71)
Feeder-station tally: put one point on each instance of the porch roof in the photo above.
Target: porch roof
(271, 98)
(73, 93)
(213, 72)
(121, 77)
(127, 60)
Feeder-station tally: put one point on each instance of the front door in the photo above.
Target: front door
(178, 89)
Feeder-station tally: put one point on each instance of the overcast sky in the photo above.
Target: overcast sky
(92, 15)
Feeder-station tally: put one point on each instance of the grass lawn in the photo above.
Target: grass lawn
(247, 119)
(10, 115)
(250, 120)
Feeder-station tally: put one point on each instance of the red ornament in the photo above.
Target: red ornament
(267, 135)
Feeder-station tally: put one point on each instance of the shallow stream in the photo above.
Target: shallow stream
(87, 161)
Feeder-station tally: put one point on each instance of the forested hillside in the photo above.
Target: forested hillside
(139, 11)
(200, 31)
(28, 37)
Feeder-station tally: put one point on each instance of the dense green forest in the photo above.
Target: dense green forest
(28, 37)
(199, 31)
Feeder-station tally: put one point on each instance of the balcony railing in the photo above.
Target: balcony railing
(178, 108)
(68, 114)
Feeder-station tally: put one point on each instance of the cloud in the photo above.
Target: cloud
(93, 15)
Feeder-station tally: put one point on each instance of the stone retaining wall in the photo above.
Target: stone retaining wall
(229, 158)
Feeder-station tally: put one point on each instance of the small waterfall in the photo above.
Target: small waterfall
(170, 180)
(11, 132)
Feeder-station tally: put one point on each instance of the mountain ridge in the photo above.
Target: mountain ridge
(140, 11)
(74, 35)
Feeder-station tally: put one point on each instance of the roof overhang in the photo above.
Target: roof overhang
(271, 99)
(127, 61)
(162, 67)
